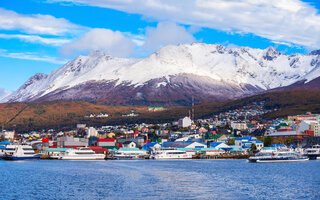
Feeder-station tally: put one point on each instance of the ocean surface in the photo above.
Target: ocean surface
(150, 179)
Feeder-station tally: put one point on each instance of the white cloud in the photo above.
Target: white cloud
(290, 21)
(111, 42)
(31, 56)
(36, 39)
(4, 93)
(37, 24)
(137, 39)
(164, 34)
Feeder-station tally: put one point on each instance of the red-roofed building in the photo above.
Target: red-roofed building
(106, 142)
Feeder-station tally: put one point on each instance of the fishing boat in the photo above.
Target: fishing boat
(170, 154)
(313, 153)
(277, 155)
(20, 152)
(82, 153)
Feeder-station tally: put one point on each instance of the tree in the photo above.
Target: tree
(2, 138)
(231, 141)
(81, 132)
(253, 147)
(289, 140)
(267, 141)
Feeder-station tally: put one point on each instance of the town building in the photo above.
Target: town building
(106, 142)
(246, 142)
(129, 144)
(239, 125)
(92, 132)
(7, 135)
(184, 122)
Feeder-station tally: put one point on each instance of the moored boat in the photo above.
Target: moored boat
(82, 153)
(313, 152)
(170, 154)
(277, 155)
(20, 152)
(129, 154)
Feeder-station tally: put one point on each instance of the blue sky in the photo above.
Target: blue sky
(38, 36)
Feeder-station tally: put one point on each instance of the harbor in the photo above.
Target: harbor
(161, 179)
(266, 154)
(292, 139)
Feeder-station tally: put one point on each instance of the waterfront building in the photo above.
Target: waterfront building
(183, 144)
(219, 145)
(70, 141)
(246, 142)
(152, 146)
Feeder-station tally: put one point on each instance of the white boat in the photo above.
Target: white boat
(20, 152)
(129, 154)
(277, 155)
(313, 152)
(170, 154)
(82, 153)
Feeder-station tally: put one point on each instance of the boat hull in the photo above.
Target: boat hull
(95, 157)
(35, 157)
(171, 158)
(81, 158)
(313, 157)
(277, 160)
(126, 158)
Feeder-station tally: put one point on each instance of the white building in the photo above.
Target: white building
(193, 136)
(184, 122)
(8, 135)
(311, 125)
(239, 125)
(92, 132)
(129, 144)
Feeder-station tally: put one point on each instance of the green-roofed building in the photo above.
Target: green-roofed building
(212, 137)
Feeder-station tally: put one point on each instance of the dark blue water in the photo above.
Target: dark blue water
(149, 179)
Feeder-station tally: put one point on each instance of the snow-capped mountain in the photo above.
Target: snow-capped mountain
(171, 75)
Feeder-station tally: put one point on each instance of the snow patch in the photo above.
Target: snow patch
(265, 69)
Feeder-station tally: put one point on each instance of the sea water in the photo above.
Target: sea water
(150, 179)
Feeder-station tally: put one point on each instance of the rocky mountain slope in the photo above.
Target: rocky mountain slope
(171, 76)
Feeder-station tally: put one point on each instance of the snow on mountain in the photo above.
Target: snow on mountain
(239, 71)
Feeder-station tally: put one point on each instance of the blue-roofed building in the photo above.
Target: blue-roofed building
(183, 144)
(277, 145)
(151, 146)
(5, 142)
(247, 141)
(220, 145)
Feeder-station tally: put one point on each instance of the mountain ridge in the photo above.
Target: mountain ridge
(171, 76)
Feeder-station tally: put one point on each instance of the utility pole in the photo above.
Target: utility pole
(192, 108)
